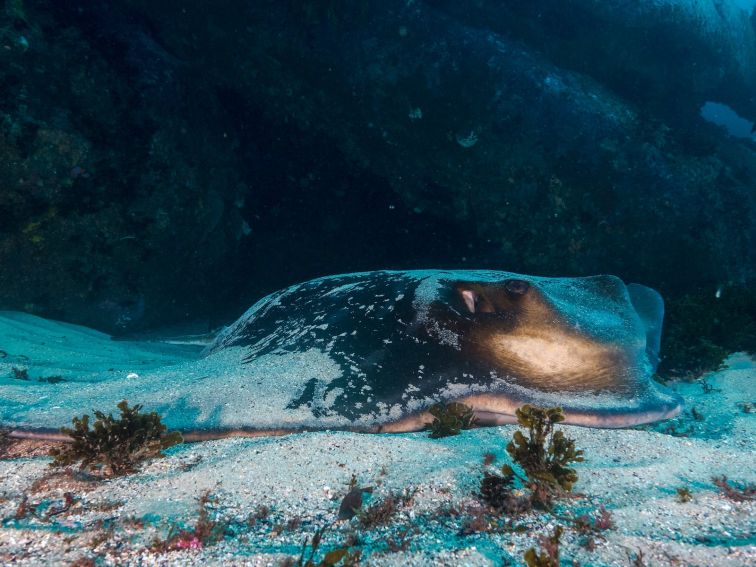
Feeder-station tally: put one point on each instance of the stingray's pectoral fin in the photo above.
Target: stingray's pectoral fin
(627, 417)
(40, 435)
(648, 404)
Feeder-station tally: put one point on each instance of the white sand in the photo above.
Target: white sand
(634, 473)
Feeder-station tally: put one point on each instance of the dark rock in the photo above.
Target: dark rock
(550, 169)
(671, 57)
(163, 160)
(106, 202)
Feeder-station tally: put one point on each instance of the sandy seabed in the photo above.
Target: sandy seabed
(301, 479)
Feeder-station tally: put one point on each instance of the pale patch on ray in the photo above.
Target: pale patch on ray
(554, 360)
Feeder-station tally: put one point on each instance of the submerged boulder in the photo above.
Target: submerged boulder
(669, 56)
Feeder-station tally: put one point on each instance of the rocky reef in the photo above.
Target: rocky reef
(166, 161)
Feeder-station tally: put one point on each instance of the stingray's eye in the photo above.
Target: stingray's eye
(517, 287)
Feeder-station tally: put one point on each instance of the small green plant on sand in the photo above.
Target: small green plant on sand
(544, 455)
(112, 446)
(450, 419)
(548, 556)
(340, 556)
(684, 494)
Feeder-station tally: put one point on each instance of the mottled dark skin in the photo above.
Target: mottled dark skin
(374, 351)
(474, 331)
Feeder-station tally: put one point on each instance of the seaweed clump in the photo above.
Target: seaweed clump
(383, 512)
(544, 455)
(112, 446)
(20, 373)
(449, 419)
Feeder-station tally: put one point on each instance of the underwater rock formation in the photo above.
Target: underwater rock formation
(549, 168)
(670, 57)
(177, 140)
(106, 201)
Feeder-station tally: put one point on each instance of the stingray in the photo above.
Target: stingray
(369, 351)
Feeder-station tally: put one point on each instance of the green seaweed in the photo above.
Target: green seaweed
(115, 446)
(544, 456)
(450, 419)
(684, 494)
(545, 453)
